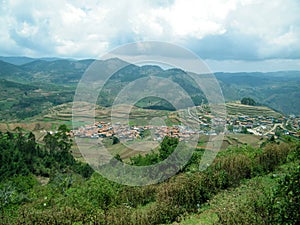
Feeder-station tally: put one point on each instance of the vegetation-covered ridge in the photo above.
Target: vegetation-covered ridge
(69, 198)
(30, 88)
(22, 155)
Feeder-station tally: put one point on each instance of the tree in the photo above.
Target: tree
(59, 145)
(230, 128)
(115, 140)
(118, 157)
(167, 147)
(244, 130)
(248, 101)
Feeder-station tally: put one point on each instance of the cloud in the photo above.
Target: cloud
(276, 24)
(226, 46)
(253, 66)
(216, 29)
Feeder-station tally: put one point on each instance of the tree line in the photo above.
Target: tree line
(96, 200)
(22, 155)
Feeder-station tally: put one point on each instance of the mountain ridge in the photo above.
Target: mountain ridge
(278, 90)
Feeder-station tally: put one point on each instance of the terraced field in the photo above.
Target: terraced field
(239, 109)
(62, 114)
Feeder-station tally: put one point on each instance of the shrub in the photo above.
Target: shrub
(287, 199)
(272, 156)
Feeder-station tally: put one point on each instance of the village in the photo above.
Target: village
(130, 133)
(208, 125)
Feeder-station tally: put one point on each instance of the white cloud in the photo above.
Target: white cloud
(253, 66)
(184, 19)
(198, 18)
(75, 28)
(275, 23)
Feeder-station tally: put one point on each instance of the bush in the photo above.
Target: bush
(248, 204)
(230, 170)
(287, 199)
(272, 156)
(248, 101)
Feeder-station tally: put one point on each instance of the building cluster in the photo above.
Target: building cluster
(263, 125)
(295, 122)
(129, 133)
(99, 129)
(260, 123)
(257, 125)
(176, 131)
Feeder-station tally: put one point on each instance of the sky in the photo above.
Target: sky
(233, 35)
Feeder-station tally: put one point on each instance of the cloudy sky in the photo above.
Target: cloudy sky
(228, 34)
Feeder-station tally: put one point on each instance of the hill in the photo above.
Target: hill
(240, 109)
(58, 71)
(277, 90)
(44, 184)
(12, 72)
(16, 60)
(19, 60)
(21, 100)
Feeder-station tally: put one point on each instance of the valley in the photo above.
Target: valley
(44, 150)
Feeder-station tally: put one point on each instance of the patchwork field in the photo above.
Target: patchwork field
(239, 109)
(62, 114)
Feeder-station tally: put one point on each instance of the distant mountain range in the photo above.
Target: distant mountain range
(277, 90)
(24, 60)
(53, 81)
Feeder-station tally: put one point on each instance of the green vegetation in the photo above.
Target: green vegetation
(31, 89)
(270, 89)
(42, 183)
(235, 109)
(22, 155)
(257, 185)
(21, 101)
(287, 198)
(268, 199)
(167, 147)
(155, 103)
(248, 101)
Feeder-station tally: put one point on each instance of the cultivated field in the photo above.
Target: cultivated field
(62, 114)
(239, 109)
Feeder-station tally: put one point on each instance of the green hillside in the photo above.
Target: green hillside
(41, 183)
(21, 101)
(45, 179)
(278, 90)
(240, 109)
(55, 81)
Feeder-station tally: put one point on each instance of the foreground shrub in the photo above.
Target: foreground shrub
(272, 156)
(287, 199)
(249, 204)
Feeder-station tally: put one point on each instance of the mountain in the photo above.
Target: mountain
(8, 70)
(58, 71)
(13, 72)
(20, 101)
(52, 72)
(131, 73)
(278, 90)
(17, 60)
(58, 79)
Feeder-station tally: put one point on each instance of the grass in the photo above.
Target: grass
(237, 139)
(206, 218)
(240, 199)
